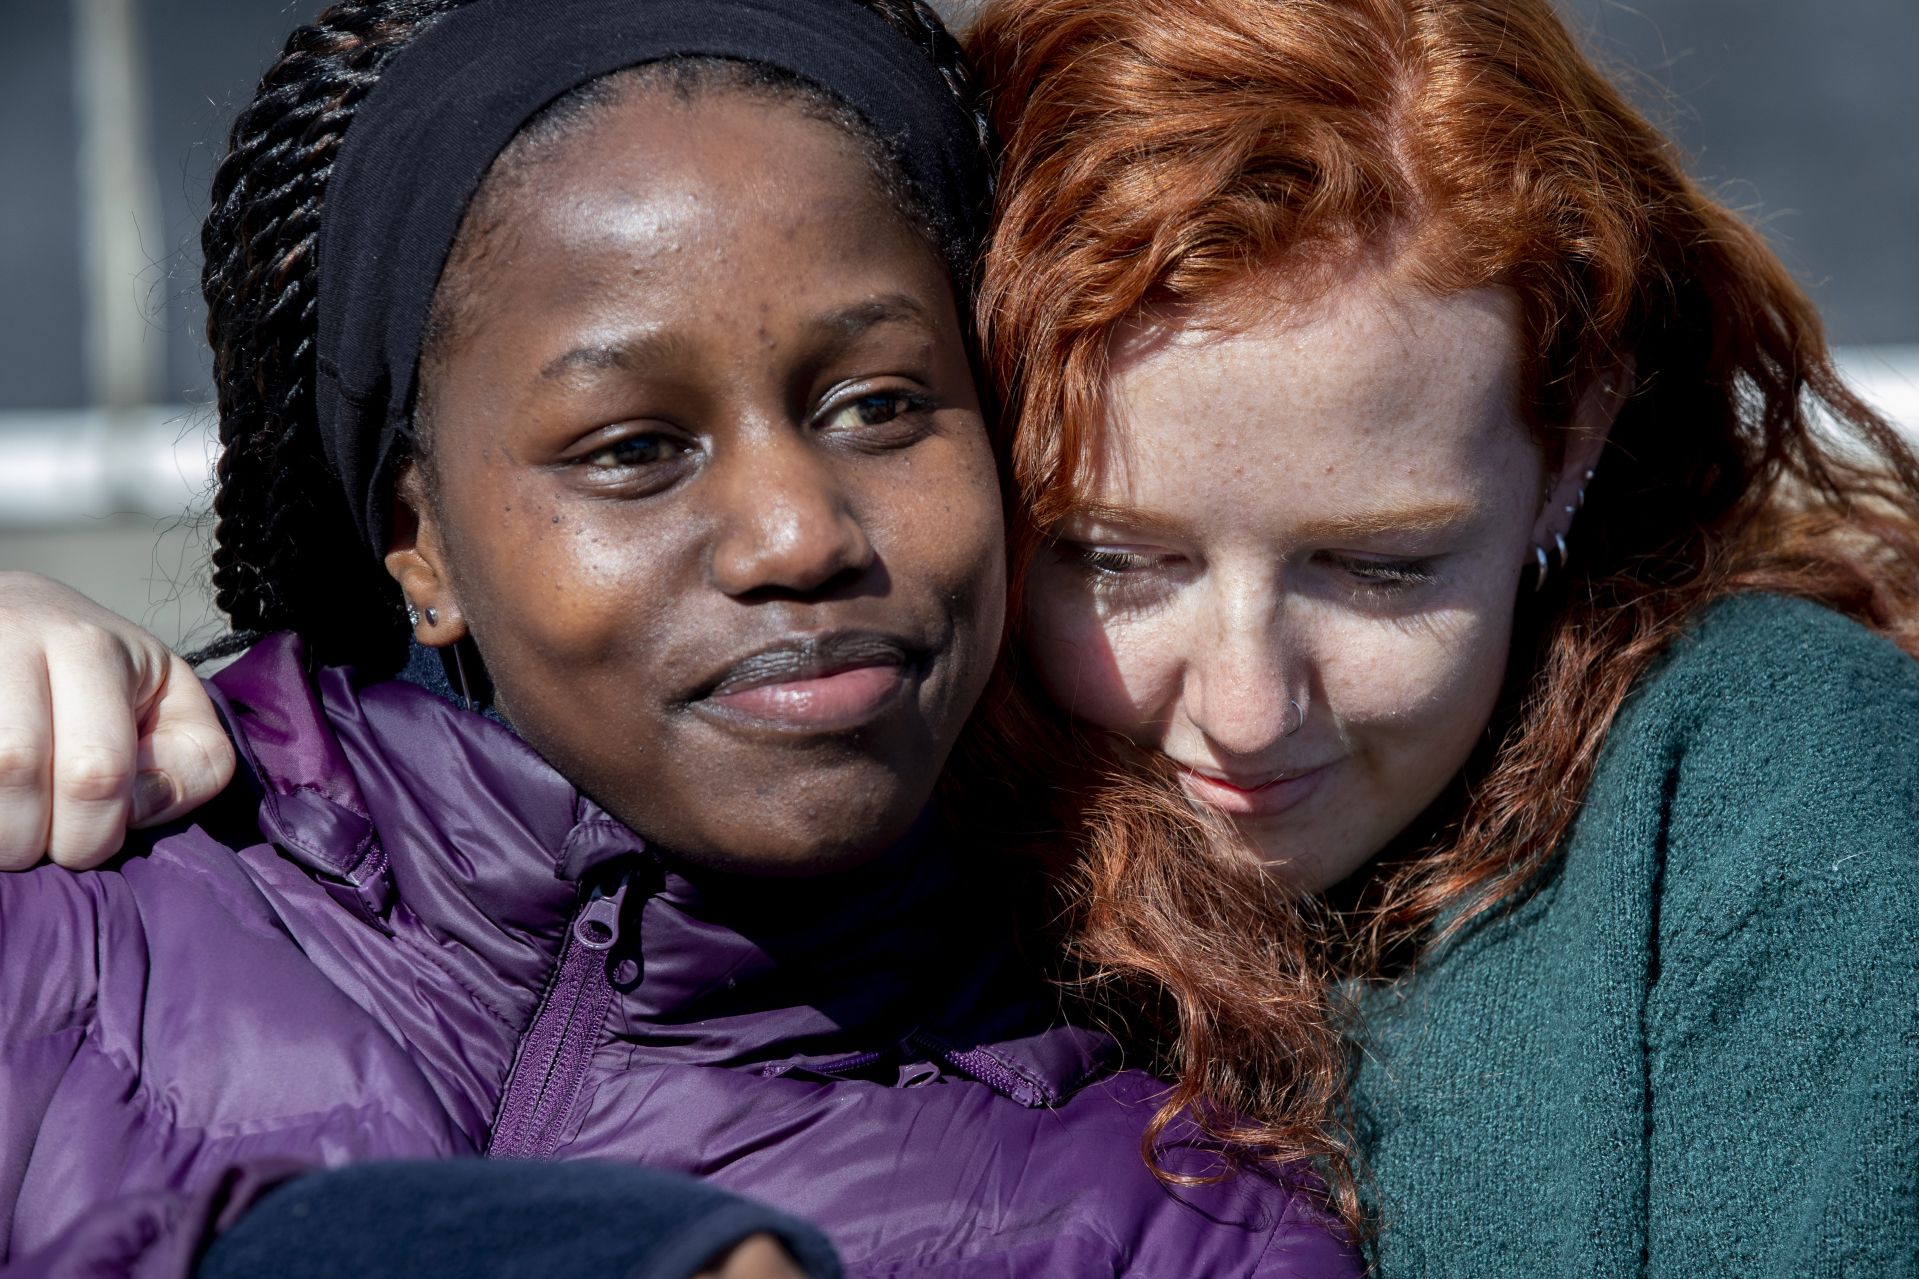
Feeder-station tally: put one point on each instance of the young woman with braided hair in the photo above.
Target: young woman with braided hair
(603, 456)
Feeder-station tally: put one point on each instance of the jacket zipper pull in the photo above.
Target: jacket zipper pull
(597, 927)
(557, 1048)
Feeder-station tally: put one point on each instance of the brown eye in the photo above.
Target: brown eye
(885, 417)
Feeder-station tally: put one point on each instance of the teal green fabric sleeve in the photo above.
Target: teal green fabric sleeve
(1695, 1051)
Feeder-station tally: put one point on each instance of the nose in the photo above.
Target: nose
(1241, 691)
(787, 523)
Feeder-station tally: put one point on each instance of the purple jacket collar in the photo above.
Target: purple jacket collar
(494, 851)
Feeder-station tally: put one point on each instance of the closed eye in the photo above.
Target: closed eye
(1111, 562)
(1385, 576)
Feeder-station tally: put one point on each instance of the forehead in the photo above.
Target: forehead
(1370, 379)
(655, 187)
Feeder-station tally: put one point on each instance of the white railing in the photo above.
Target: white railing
(73, 467)
(79, 466)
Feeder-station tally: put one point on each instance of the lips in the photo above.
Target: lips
(811, 683)
(1252, 796)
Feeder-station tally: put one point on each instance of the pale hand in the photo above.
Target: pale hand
(760, 1257)
(102, 728)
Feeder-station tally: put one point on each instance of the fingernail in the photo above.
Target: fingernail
(151, 793)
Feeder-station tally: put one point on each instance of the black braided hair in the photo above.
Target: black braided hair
(287, 555)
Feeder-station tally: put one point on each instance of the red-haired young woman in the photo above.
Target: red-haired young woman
(1451, 515)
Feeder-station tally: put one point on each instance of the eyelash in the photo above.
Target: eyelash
(1387, 577)
(904, 405)
(1110, 563)
(610, 451)
(1375, 577)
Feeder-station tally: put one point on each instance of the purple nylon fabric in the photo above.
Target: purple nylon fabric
(408, 965)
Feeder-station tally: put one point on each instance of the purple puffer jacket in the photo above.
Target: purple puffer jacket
(403, 934)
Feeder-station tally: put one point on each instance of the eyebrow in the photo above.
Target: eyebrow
(1422, 517)
(851, 322)
(623, 356)
(1133, 519)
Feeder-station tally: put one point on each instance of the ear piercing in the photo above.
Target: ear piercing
(1543, 566)
(413, 615)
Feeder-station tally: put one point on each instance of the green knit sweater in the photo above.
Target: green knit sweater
(1696, 1050)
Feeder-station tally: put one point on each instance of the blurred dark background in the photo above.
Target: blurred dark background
(113, 114)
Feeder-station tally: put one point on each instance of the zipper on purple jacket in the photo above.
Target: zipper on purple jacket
(558, 1046)
(983, 1066)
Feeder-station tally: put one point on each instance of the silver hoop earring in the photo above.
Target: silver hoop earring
(1299, 716)
(1541, 567)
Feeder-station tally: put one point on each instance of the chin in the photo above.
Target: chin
(780, 844)
(1303, 860)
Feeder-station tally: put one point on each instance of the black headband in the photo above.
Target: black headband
(450, 102)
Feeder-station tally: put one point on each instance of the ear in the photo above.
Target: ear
(1593, 418)
(416, 559)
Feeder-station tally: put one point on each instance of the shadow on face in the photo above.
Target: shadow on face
(706, 480)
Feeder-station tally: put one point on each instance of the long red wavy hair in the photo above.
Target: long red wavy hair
(1172, 152)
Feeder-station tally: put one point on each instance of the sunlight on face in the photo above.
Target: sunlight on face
(1295, 571)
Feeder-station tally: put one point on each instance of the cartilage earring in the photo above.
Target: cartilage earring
(1559, 541)
(1541, 565)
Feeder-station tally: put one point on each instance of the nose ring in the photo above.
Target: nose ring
(1299, 716)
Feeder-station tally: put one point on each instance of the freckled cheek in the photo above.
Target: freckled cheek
(1415, 694)
(1120, 674)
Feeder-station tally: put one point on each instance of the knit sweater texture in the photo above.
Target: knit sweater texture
(1694, 1051)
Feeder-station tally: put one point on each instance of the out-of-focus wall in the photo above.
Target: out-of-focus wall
(1803, 115)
